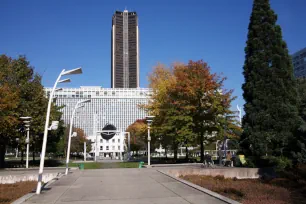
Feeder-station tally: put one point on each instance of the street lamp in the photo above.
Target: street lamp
(240, 114)
(149, 122)
(26, 121)
(43, 151)
(78, 105)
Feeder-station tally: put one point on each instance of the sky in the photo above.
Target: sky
(57, 34)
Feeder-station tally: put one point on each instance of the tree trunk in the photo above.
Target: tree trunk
(22, 156)
(186, 153)
(2, 155)
(175, 151)
(202, 146)
(175, 154)
(166, 152)
(33, 154)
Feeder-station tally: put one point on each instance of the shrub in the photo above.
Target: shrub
(279, 163)
(249, 163)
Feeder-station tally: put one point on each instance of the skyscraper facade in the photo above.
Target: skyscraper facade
(125, 50)
(119, 107)
(299, 63)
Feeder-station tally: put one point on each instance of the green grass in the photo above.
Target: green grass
(96, 165)
(91, 165)
(128, 164)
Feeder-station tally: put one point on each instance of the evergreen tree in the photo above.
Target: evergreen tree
(298, 146)
(271, 113)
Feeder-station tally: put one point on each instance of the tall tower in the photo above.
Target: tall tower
(125, 50)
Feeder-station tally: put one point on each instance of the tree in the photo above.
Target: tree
(298, 145)
(21, 94)
(19, 76)
(138, 134)
(202, 96)
(188, 102)
(8, 104)
(271, 113)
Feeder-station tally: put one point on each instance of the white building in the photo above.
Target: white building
(119, 107)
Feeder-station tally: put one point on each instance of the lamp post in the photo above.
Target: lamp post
(240, 114)
(149, 122)
(43, 149)
(129, 145)
(70, 130)
(26, 121)
(84, 151)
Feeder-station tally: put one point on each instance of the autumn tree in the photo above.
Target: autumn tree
(77, 143)
(138, 135)
(202, 95)
(189, 103)
(173, 127)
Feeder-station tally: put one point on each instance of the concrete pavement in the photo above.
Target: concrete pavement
(118, 186)
(16, 172)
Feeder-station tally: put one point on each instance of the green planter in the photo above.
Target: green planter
(81, 166)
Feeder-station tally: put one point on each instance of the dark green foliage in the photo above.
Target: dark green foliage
(22, 94)
(298, 145)
(270, 91)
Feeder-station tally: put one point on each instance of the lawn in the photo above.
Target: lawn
(97, 165)
(88, 165)
(289, 187)
(11, 192)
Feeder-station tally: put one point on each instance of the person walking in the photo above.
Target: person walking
(228, 159)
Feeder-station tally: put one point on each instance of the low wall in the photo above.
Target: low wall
(28, 177)
(239, 173)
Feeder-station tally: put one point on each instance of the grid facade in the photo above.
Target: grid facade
(125, 50)
(299, 63)
(119, 107)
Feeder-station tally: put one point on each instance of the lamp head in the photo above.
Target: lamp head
(26, 118)
(86, 101)
(150, 119)
(64, 81)
(54, 125)
(73, 71)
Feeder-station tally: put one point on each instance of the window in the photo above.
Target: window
(113, 140)
(113, 148)
(118, 147)
(101, 140)
(118, 140)
(101, 147)
(106, 141)
(107, 148)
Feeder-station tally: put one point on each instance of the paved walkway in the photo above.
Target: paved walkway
(119, 186)
(18, 172)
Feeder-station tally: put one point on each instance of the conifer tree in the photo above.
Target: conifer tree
(271, 109)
